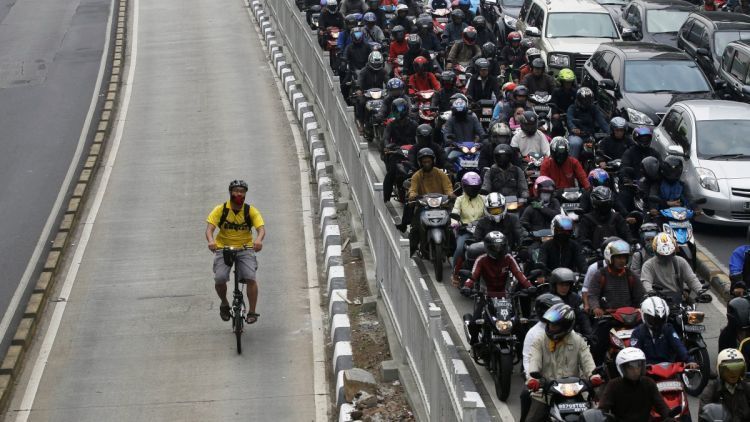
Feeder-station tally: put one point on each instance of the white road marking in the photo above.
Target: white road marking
(41, 243)
(59, 307)
(320, 387)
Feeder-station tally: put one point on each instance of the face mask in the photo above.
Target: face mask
(562, 237)
(545, 197)
(427, 167)
(238, 199)
(503, 162)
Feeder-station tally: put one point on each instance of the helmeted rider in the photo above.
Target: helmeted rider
(647, 232)
(414, 41)
(562, 281)
(538, 80)
(504, 177)
(512, 55)
(373, 32)
(353, 6)
(465, 51)
(543, 207)
(462, 126)
(422, 79)
(395, 88)
(613, 147)
(403, 19)
(499, 134)
(425, 139)
(562, 250)
(599, 177)
(483, 85)
(640, 149)
(731, 390)
(668, 272)
(497, 218)
(657, 337)
(602, 221)
(562, 168)
(372, 76)
(470, 208)
(455, 28)
(584, 119)
(670, 189)
(737, 330)
(399, 46)
(530, 139)
(519, 98)
(401, 131)
(329, 17)
(430, 41)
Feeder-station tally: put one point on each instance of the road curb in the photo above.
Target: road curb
(709, 271)
(330, 235)
(12, 362)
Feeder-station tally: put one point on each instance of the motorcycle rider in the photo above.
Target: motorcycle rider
(373, 6)
(739, 271)
(345, 36)
(353, 6)
(563, 169)
(657, 338)
(730, 389)
(647, 232)
(512, 55)
(355, 59)
(401, 131)
(422, 79)
(538, 80)
(738, 325)
(599, 177)
(462, 126)
(631, 397)
(465, 6)
(544, 207)
(483, 85)
(442, 99)
(563, 97)
(329, 17)
(531, 53)
(415, 50)
(499, 134)
(373, 33)
(401, 18)
(455, 28)
(372, 76)
(561, 282)
(504, 177)
(602, 221)
(466, 51)
(562, 250)
(670, 189)
(484, 34)
(560, 353)
(469, 207)
(394, 90)
(489, 52)
(497, 218)
(667, 272)
(591, 271)
(613, 146)
(399, 46)
(519, 98)
(530, 139)
(430, 41)
(425, 140)
(640, 149)
(584, 119)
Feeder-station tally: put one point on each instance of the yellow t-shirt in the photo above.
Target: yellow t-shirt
(235, 233)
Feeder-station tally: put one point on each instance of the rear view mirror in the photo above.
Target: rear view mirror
(703, 52)
(675, 150)
(607, 84)
(532, 31)
(627, 34)
(746, 89)
(720, 83)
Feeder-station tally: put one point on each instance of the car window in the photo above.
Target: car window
(670, 123)
(667, 76)
(733, 139)
(663, 21)
(615, 69)
(722, 38)
(525, 8)
(739, 66)
(536, 17)
(580, 25)
(634, 16)
(726, 59)
(696, 33)
(685, 30)
(704, 42)
(601, 65)
(684, 132)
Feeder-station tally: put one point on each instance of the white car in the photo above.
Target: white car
(713, 139)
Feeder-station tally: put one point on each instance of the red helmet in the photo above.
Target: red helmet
(420, 63)
(514, 37)
(470, 35)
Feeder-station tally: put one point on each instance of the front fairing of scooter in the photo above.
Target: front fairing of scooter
(469, 158)
(434, 218)
(678, 224)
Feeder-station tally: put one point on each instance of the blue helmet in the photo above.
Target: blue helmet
(464, 3)
(394, 83)
(370, 17)
(642, 136)
(598, 177)
(357, 35)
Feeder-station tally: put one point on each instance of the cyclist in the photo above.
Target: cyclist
(235, 220)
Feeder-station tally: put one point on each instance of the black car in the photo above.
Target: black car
(734, 70)
(704, 35)
(656, 21)
(639, 81)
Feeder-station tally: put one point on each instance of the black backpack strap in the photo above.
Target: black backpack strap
(248, 220)
(224, 213)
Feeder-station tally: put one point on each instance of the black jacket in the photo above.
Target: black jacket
(612, 149)
(510, 56)
(369, 78)
(633, 156)
(738, 404)
(534, 219)
(509, 182)
(405, 22)
(535, 84)
(594, 228)
(409, 61)
(402, 132)
(510, 226)
(356, 55)
(563, 99)
(387, 102)
(486, 35)
(440, 158)
(441, 99)
(330, 19)
(483, 89)
(555, 254)
(583, 323)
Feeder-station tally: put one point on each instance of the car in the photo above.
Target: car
(614, 7)
(734, 70)
(656, 21)
(511, 9)
(711, 138)
(704, 35)
(566, 31)
(639, 81)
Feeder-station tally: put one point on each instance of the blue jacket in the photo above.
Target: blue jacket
(667, 347)
(587, 120)
(670, 191)
(345, 38)
(737, 260)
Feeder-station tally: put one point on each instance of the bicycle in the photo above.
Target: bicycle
(238, 301)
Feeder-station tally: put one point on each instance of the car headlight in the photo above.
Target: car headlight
(638, 118)
(510, 21)
(558, 60)
(707, 179)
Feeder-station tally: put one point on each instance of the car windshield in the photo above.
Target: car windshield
(672, 76)
(580, 25)
(723, 139)
(722, 38)
(621, 2)
(665, 20)
(512, 3)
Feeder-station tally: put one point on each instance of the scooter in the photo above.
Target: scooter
(678, 225)
(485, 109)
(533, 169)
(440, 18)
(624, 321)
(423, 100)
(468, 160)
(373, 129)
(435, 224)
(568, 398)
(570, 201)
(542, 106)
(667, 377)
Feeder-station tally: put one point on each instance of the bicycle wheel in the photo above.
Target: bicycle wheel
(238, 330)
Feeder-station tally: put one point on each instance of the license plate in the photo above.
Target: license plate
(680, 224)
(469, 163)
(572, 407)
(434, 214)
(485, 119)
(695, 328)
(669, 386)
(570, 205)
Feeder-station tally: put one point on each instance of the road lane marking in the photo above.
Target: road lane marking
(59, 307)
(10, 311)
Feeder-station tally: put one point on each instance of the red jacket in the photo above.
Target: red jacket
(397, 49)
(424, 82)
(494, 272)
(565, 176)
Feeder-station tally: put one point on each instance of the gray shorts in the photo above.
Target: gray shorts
(246, 264)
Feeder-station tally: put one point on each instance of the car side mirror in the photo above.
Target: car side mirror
(746, 90)
(627, 33)
(607, 84)
(676, 150)
(720, 83)
(532, 31)
(703, 52)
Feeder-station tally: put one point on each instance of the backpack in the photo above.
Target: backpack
(245, 212)
(597, 233)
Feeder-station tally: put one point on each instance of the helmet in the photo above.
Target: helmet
(395, 86)
(520, 90)
(671, 168)
(559, 149)
(459, 107)
(358, 36)
(414, 42)
(479, 22)
(400, 108)
(425, 152)
(561, 275)
(471, 183)
(607, 240)
(527, 43)
(447, 77)
(370, 17)
(654, 312)
(470, 35)
(537, 63)
(503, 154)
(566, 75)
(464, 3)
(650, 168)
(730, 365)
(420, 64)
(331, 5)
(238, 184)
(499, 129)
(533, 53)
(630, 355)
(545, 301)
(617, 123)
(375, 60)
(642, 136)
(616, 248)
(424, 131)
(601, 199)
(584, 97)
(514, 38)
(544, 184)
(598, 177)
(482, 63)
(351, 20)
(663, 244)
(647, 232)
(402, 7)
(398, 32)
(509, 87)
(457, 14)
(424, 24)
(558, 321)
(489, 49)
(738, 312)
(494, 206)
(561, 224)
(495, 244)
(529, 122)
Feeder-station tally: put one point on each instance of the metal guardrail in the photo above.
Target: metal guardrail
(443, 383)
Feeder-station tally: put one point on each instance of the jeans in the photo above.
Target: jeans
(576, 144)
(462, 238)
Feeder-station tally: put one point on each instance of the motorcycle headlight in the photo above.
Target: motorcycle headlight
(465, 150)
(638, 118)
(569, 389)
(707, 179)
(433, 202)
(504, 327)
(510, 21)
(571, 196)
(558, 60)
(695, 317)
(473, 150)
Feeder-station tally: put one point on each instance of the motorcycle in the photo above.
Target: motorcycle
(435, 224)
(714, 412)
(331, 42)
(468, 160)
(440, 18)
(484, 110)
(397, 67)
(678, 225)
(667, 377)
(533, 169)
(543, 108)
(373, 129)
(570, 201)
(404, 168)
(462, 76)
(424, 105)
(389, 12)
(568, 398)
(624, 321)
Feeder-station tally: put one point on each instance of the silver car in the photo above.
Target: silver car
(713, 139)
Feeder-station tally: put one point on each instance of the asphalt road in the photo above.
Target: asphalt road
(50, 55)
(720, 241)
(141, 337)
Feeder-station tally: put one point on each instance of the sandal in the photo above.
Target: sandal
(224, 312)
(251, 317)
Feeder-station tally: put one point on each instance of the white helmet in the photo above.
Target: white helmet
(730, 363)
(402, 7)
(494, 206)
(654, 312)
(663, 244)
(618, 247)
(627, 355)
